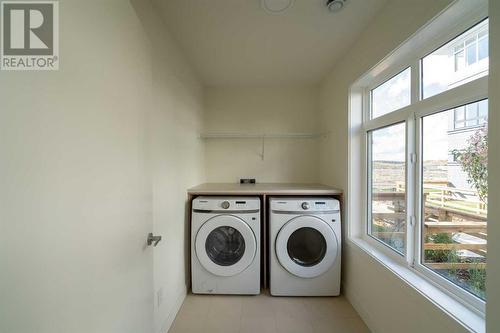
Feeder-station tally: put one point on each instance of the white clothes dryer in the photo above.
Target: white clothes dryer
(305, 246)
(225, 245)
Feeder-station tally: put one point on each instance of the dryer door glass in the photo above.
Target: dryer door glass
(225, 246)
(306, 247)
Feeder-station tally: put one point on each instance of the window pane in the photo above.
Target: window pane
(483, 110)
(391, 95)
(470, 123)
(454, 208)
(459, 113)
(445, 69)
(483, 48)
(471, 54)
(471, 112)
(388, 186)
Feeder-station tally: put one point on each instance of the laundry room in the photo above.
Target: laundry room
(274, 166)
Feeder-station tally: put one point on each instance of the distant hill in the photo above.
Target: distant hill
(387, 173)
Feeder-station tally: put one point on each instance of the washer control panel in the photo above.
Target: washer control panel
(228, 204)
(303, 205)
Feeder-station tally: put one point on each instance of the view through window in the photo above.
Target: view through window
(388, 189)
(455, 191)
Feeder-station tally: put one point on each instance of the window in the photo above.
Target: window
(422, 162)
(461, 60)
(483, 49)
(474, 114)
(391, 95)
(454, 211)
(387, 186)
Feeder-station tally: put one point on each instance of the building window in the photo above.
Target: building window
(476, 49)
(459, 61)
(421, 162)
(474, 114)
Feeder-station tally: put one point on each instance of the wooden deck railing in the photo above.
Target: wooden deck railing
(440, 201)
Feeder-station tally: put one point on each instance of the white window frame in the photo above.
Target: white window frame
(444, 28)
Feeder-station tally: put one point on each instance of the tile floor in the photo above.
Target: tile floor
(266, 314)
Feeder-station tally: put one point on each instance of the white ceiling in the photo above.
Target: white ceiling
(236, 42)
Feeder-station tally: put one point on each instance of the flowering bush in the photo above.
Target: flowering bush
(474, 161)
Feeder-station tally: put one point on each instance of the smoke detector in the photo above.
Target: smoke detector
(335, 5)
(276, 6)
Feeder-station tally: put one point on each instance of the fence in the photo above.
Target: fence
(448, 210)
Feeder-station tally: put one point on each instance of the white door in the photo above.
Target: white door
(225, 245)
(306, 246)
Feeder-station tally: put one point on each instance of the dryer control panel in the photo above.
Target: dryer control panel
(302, 205)
(228, 204)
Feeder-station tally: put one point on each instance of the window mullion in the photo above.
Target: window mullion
(412, 247)
(410, 194)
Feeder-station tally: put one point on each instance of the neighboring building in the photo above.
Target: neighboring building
(470, 61)
(463, 122)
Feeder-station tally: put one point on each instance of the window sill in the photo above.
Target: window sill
(466, 317)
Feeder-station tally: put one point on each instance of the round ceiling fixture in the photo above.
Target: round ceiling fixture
(335, 5)
(276, 6)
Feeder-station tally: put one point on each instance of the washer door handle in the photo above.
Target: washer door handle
(153, 240)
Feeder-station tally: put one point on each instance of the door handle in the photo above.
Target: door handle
(153, 240)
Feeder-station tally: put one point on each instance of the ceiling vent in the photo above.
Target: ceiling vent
(335, 6)
(276, 6)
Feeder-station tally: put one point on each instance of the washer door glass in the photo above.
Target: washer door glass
(225, 246)
(306, 247)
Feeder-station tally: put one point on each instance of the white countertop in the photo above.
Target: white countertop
(263, 188)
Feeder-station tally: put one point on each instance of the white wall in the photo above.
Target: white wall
(493, 278)
(385, 302)
(275, 109)
(81, 148)
(176, 155)
(74, 198)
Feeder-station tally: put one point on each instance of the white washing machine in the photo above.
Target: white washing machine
(225, 245)
(305, 246)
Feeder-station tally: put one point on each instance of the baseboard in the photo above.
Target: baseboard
(357, 305)
(173, 311)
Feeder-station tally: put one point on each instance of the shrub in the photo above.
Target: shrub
(440, 255)
(474, 161)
